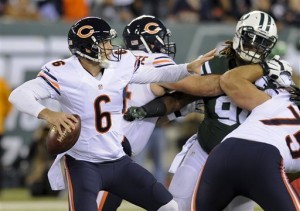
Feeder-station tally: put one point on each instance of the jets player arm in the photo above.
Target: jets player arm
(170, 73)
(238, 85)
(197, 85)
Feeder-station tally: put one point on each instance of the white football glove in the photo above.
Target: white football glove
(278, 70)
(285, 79)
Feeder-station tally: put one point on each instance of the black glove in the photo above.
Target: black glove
(295, 94)
(135, 113)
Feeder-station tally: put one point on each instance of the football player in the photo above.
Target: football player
(256, 35)
(253, 159)
(91, 84)
(149, 40)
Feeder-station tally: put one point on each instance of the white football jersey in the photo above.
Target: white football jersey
(275, 122)
(139, 132)
(99, 103)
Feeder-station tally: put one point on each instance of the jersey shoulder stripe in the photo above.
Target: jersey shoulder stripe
(50, 80)
(162, 61)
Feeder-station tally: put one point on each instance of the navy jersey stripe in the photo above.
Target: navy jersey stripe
(164, 65)
(163, 57)
(48, 74)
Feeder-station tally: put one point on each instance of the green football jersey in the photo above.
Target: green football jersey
(221, 114)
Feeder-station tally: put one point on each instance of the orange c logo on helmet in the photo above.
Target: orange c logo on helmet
(150, 31)
(90, 32)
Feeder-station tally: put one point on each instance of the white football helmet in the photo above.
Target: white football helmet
(255, 36)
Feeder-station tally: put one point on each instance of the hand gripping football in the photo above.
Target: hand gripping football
(57, 144)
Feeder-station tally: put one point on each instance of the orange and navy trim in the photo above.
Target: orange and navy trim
(102, 200)
(162, 61)
(284, 121)
(70, 187)
(49, 79)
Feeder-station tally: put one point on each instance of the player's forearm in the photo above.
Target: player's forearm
(237, 84)
(197, 85)
(167, 74)
(167, 104)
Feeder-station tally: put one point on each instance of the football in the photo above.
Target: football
(57, 144)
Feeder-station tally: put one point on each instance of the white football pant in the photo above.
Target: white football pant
(187, 165)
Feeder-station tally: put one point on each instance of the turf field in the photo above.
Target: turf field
(20, 200)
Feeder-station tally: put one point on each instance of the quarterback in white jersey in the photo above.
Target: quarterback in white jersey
(260, 151)
(91, 84)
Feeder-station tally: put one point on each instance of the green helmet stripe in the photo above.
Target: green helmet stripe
(269, 23)
(262, 19)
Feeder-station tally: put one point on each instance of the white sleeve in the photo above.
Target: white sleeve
(25, 97)
(166, 74)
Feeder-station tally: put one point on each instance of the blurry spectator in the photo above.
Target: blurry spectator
(5, 108)
(21, 10)
(240, 7)
(262, 5)
(279, 9)
(158, 8)
(2, 6)
(293, 13)
(117, 10)
(73, 10)
(186, 11)
(39, 163)
(50, 10)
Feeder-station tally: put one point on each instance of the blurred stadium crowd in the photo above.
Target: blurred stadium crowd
(187, 11)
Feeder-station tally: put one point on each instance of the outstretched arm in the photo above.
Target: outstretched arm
(238, 82)
(238, 85)
(160, 106)
(197, 85)
(171, 73)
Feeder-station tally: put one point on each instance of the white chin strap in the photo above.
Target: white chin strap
(87, 57)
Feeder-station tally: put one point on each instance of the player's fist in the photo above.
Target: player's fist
(135, 113)
(275, 66)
